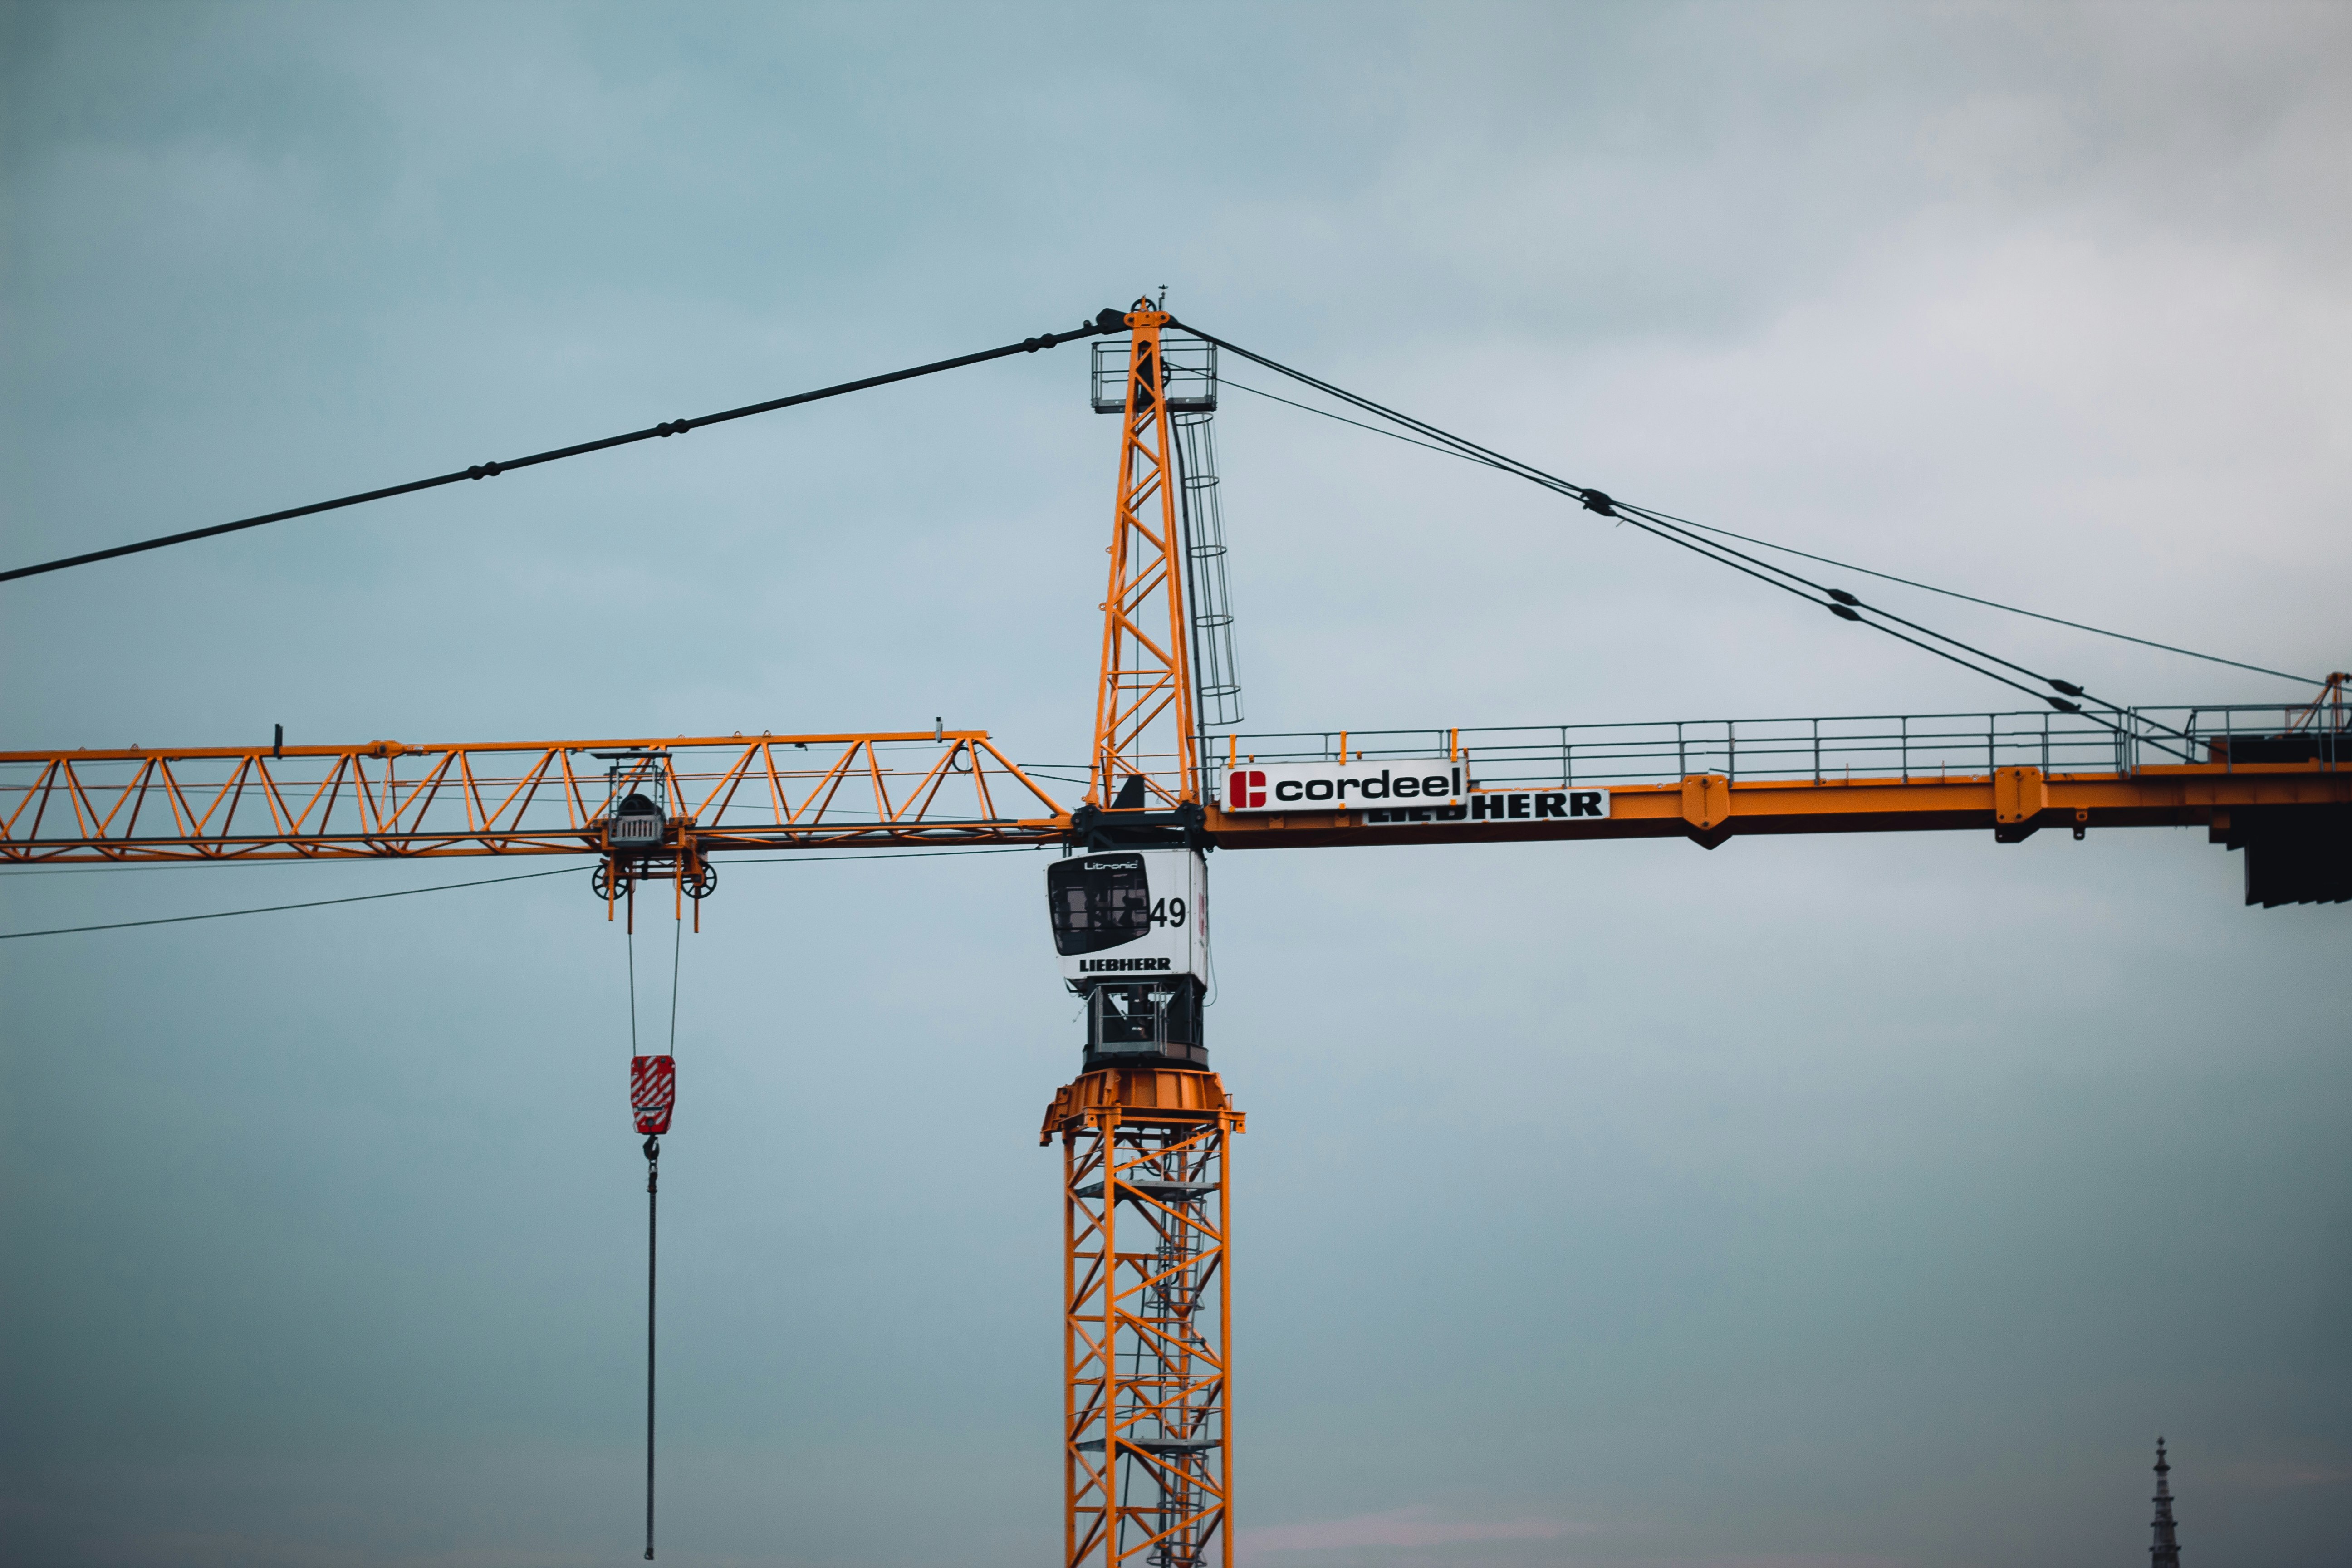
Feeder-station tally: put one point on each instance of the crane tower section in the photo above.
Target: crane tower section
(1144, 779)
(1144, 1132)
(1189, 380)
(1147, 1450)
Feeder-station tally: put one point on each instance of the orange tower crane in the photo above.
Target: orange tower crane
(1146, 1127)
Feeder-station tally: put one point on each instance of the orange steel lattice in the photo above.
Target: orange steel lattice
(385, 799)
(1148, 1455)
(1143, 743)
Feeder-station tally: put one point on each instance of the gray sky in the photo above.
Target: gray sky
(1811, 1202)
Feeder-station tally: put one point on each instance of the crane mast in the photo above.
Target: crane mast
(1146, 1127)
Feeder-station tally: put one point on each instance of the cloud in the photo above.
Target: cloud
(1395, 1527)
(2286, 1473)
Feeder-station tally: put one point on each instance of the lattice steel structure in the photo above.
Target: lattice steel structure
(385, 799)
(1147, 1437)
(1143, 754)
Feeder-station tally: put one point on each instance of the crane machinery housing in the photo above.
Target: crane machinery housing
(1145, 1125)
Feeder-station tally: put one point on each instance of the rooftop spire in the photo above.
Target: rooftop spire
(2166, 1552)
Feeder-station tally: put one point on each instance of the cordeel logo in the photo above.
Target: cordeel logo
(1340, 787)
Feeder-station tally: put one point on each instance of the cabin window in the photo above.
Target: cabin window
(1098, 901)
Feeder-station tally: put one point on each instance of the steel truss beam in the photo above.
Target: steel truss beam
(390, 800)
(1144, 701)
(1147, 1451)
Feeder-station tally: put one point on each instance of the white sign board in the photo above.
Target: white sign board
(1338, 787)
(1393, 791)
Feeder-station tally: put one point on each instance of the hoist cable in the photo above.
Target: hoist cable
(1791, 550)
(1663, 526)
(653, 1232)
(678, 947)
(632, 939)
(1105, 322)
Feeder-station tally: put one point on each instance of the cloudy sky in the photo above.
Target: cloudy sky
(1807, 1201)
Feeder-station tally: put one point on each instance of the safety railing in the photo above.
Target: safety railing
(1826, 750)
(1189, 384)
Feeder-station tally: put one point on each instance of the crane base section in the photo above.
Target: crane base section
(1146, 1317)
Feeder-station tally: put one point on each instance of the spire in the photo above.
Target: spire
(2166, 1552)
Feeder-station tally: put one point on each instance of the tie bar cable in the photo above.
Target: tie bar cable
(1107, 321)
(1807, 555)
(1658, 524)
(1844, 605)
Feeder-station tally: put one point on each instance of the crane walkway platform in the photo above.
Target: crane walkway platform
(2270, 779)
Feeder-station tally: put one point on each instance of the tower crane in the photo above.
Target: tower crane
(1145, 1126)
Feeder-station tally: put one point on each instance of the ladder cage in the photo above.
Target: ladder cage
(1216, 674)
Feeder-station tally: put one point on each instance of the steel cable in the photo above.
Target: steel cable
(450, 887)
(275, 908)
(1105, 322)
(1791, 550)
(1659, 525)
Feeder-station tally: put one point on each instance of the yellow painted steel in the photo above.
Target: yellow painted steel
(1144, 696)
(1146, 1318)
(1709, 806)
(388, 799)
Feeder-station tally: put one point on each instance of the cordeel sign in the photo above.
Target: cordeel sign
(1340, 787)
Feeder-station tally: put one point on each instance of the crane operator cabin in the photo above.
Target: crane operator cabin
(1131, 928)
